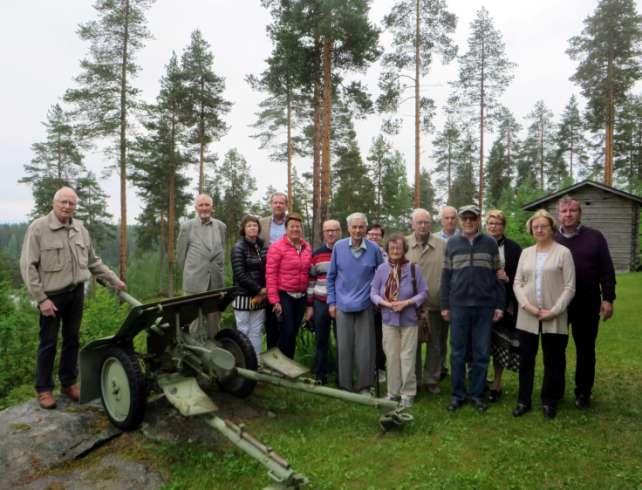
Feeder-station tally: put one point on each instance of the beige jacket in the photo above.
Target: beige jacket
(431, 261)
(266, 224)
(558, 288)
(55, 256)
(201, 255)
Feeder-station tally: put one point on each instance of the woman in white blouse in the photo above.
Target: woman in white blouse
(544, 286)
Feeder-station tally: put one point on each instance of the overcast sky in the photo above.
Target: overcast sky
(40, 53)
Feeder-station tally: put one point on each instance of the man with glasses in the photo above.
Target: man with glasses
(57, 258)
(471, 299)
(318, 298)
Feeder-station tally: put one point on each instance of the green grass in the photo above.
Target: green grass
(337, 445)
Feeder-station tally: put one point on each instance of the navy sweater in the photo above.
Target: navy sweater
(594, 273)
(469, 275)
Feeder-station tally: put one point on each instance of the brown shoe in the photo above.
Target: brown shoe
(72, 392)
(46, 400)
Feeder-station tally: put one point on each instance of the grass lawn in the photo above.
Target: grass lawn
(337, 445)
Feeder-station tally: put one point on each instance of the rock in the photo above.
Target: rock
(34, 439)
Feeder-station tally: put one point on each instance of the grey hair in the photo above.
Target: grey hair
(64, 189)
(567, 199)
(447, 208)
(354, 216)
(207, 196)
(279, 194)
(417, 211)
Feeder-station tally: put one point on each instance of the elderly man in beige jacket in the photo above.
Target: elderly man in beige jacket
(427, 251)
(57, 258)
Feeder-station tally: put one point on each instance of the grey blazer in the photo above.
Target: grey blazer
(201, 255)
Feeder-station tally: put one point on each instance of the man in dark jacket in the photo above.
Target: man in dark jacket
(594, 294)
(471, 299)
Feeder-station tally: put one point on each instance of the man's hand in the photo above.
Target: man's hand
(277, 309)
(606, 310)
(332, 311)
(309, 311)
(120, 285)
(502, 276)
(445, 314)
(543, 314)
(47, 308)
(498, 315)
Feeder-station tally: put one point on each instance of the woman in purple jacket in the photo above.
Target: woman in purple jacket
(398, 288)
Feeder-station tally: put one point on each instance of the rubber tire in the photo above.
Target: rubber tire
(239, 345)
(117, 358)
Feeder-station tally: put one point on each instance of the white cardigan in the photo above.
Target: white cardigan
(558, 288)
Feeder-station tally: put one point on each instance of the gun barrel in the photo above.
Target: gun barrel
(319, 390)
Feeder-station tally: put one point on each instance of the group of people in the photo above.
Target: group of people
(383, 303)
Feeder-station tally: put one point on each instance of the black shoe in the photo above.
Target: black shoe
(521, 409)
(549, 411)
(455, 404)
(443, 374)
(583, 402)
(479, 405)
(494, 395)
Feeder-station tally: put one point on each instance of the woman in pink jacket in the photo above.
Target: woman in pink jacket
(286, 273)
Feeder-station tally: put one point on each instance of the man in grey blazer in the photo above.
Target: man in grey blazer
(201, 253)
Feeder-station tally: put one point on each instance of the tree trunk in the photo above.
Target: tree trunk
(608, 153)
(161, 248)
(571, 150)
(201, 160)
(316, 166)
(289, 145)
(417, 197)
(541, 155)
(122, 254)
(171, 216)
(450, 163)
(327, 127)
(482, 94)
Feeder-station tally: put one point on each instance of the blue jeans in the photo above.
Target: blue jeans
(470, 325)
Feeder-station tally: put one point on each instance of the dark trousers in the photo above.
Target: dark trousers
(289, 322)
(271, 328)
(70, 305)
(554, 351)
(380, 356)
(323, 323)
(469, 326)
(584, 318)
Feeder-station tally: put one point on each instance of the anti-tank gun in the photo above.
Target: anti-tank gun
(179, 360)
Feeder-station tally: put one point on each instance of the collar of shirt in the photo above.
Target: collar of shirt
(56, 224)
(572, 234)
(362, 246)
(278, 222)
(205, 223)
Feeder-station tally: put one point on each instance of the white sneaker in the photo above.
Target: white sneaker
(407, 401)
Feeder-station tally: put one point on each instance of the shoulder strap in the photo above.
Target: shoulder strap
(414, 278)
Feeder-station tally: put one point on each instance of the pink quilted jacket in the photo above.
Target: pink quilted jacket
(286, 270)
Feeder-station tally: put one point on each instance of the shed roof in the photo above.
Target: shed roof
(607, 188)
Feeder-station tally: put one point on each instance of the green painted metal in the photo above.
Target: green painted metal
(275, 360)
(185, 394)
(115, 389)
(278, 468)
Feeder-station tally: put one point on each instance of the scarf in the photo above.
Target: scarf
(394, 279)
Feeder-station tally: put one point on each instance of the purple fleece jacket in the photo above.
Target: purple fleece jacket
(408, 316)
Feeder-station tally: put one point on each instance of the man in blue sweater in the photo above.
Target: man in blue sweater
(471, 299)
(352, 267)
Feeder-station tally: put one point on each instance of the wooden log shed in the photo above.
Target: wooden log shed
(614, 212)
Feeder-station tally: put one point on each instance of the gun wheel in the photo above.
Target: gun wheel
(239, 345)
(122, 388)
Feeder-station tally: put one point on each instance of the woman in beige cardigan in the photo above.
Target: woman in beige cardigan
(544, 286)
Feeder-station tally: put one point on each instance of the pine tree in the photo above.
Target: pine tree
(464, 188)
(427, 195)
(484, 74)
(627, 145)
(571, 142)
(57, 161)
(204, 105)
(445, 147)
(387, 169)
(610, 62)
(106, 97)
(497, 173)
(541, 133)
(92, 209)
(237, 185)
(420, 29)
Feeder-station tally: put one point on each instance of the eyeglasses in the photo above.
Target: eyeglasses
(469, 218)
(332, 230)
(423, 222)
(541, 227)
(494, 223)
